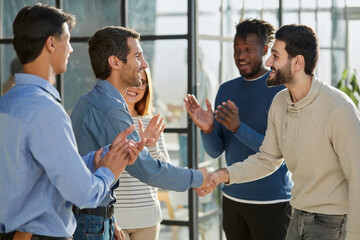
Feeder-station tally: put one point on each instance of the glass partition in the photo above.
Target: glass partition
(8, 11)
(168, 64)
(9, 66)
(79, 77)
(93, 15)
(158, 17)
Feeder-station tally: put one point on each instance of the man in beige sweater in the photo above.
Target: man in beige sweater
(316, 129)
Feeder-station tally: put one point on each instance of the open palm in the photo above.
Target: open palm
(153, 130)
(203, 119)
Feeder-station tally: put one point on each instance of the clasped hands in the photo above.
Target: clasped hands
(211, 180)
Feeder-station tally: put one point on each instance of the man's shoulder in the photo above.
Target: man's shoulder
(281, 96)
(229, 85)
(29, 102)
(101, 101)
(232, 81)
(336, 98)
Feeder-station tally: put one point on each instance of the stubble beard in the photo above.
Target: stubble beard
(282, 76)
(133, 82)
(255, 70)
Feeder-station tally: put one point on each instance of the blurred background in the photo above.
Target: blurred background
(189, 47)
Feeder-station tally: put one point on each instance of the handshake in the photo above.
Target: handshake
(211, 180)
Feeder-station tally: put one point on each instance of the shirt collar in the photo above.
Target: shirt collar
(110, 89)
(30, 79)
(309, 98)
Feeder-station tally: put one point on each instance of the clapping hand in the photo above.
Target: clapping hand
(120, 154)
(153, 130)
(228, 115)
(137, 147)
(203, 119)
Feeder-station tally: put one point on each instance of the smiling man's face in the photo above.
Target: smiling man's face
(248, 55)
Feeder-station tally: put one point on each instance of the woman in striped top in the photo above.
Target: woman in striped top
(137, 209)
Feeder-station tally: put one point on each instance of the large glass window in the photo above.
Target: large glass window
(9, 66)
(354, 63)
(88, 17)
(158, 17)
(79, 77)
(189, 47)
(8, 11)
(168, 64)
(327, 20)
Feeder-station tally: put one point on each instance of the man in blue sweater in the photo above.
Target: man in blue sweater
(257, 210)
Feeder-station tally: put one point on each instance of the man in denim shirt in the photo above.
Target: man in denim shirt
(117, 60)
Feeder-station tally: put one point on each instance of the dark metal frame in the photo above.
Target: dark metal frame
(191, 37)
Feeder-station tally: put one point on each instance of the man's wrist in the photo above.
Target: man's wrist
(208, 131)
(236, 129)
(223, 175)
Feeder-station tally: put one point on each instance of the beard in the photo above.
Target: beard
(255, 69)
(131, 81)
(282, 76)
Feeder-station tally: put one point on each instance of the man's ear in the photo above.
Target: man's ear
(50, 44)
(114, 62)
(298, 63)
(265, 49)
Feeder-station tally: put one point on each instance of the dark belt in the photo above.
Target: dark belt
(10, 236)
(99, 211)
(39, 237)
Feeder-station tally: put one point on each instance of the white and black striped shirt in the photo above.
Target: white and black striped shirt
(135, 197)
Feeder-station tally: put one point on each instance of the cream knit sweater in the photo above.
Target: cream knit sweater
(319, 138)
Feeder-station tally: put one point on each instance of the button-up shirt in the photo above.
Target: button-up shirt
(41, 172)
(99, 116)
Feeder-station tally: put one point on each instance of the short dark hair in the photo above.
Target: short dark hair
(106, 42)
(264, 30)
(32, 27)
(300, 40)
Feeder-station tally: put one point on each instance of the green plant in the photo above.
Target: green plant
(351, 89)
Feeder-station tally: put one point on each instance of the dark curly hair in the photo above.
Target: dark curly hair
(264, 30)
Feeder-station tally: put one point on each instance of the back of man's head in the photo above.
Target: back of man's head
(264, 30)
(32, 27)
(106, 42)
(300, 40)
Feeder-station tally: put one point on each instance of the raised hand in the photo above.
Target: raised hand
(136, 147)
(134, 150)
(153, 129)
(121, 136)
(228, 115)
(203, 119)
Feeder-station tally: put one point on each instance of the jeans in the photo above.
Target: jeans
(91, 227)
(315, 226)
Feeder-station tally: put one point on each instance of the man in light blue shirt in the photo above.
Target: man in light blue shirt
(41, 173)
(117, 61)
